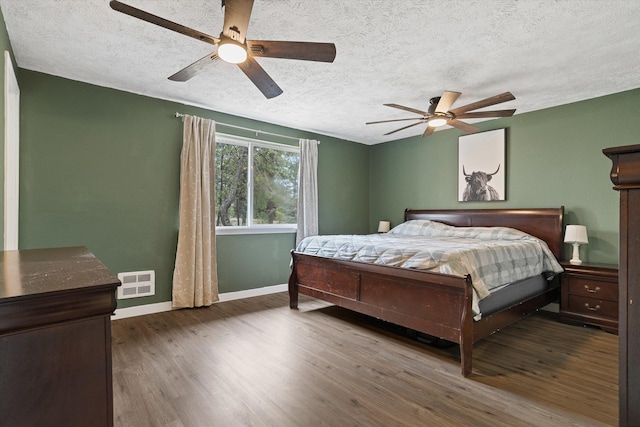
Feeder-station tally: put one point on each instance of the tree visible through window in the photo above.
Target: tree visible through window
(231, 184)
(256, 183)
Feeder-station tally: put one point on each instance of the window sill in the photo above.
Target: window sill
(226, 231)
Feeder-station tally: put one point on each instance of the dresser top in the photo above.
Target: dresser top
(26, 273)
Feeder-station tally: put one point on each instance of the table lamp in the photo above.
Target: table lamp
(576, 235)
(384, 226)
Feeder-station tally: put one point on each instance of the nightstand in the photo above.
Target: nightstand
(589, 295)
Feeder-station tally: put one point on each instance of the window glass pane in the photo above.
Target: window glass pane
(231, 184)
(275, 192)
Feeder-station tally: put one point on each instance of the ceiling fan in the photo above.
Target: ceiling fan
(233, 46)
(439, 113)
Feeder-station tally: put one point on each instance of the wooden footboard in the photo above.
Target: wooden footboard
(432, 303)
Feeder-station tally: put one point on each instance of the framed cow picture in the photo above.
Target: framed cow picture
(481, 167)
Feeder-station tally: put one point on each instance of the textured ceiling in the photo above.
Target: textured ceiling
(546, 52)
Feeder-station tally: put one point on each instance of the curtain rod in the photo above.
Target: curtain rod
(257, 131)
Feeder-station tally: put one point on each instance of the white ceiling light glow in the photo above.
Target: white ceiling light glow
(437, 121)
(232, 52)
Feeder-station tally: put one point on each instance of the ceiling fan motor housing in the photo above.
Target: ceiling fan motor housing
(433, 103)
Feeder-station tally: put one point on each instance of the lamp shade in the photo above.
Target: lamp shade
(384, 226)
(576, 234)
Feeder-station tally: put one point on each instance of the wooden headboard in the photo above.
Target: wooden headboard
(543, 223)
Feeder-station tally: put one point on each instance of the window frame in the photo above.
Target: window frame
(250, 228)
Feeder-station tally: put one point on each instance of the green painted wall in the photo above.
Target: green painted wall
(554, 158)
(100, 168)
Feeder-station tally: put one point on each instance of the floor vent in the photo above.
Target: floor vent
(137, 284)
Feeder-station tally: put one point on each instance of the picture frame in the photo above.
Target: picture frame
(482, 166)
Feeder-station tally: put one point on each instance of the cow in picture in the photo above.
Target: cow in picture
(478, 188)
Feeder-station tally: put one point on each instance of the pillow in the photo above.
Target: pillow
(492, 233)
(425, 227)
(422, 227)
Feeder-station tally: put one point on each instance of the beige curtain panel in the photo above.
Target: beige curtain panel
(307, 190)
(195, 277)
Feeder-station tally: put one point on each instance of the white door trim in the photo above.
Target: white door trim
(11, 155)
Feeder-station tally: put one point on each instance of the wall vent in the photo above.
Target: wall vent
(137, 284)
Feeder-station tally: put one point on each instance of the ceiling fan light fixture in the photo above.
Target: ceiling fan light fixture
(437, 122)
(232, 51)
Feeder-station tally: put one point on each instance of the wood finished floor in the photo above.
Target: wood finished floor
(255, 362)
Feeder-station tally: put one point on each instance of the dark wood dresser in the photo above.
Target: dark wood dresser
(590, 295)
(55, 338)
(625, 175)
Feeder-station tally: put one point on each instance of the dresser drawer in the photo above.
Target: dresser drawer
(593, 306)
(593, 288)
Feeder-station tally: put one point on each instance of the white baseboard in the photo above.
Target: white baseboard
(141, 310)
(230, 296)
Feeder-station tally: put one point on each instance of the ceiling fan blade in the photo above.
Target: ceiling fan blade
(153, 19)
(306, 51)
(503, 97)
(236, 19)
(428, 131)
(462, 125)
(191, 70)
(260, 78)
(482, 114)
(403, 128)
(412, 110)
(393, 120)
(446, 101)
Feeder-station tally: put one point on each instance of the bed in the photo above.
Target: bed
(436, 304)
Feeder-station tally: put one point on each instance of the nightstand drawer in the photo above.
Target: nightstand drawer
(593, 288)
(593, 306)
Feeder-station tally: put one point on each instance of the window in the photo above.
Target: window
(256, 186)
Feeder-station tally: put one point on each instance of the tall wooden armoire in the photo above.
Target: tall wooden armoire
(625, 175)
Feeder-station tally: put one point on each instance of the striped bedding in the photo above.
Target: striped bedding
(492, 256)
